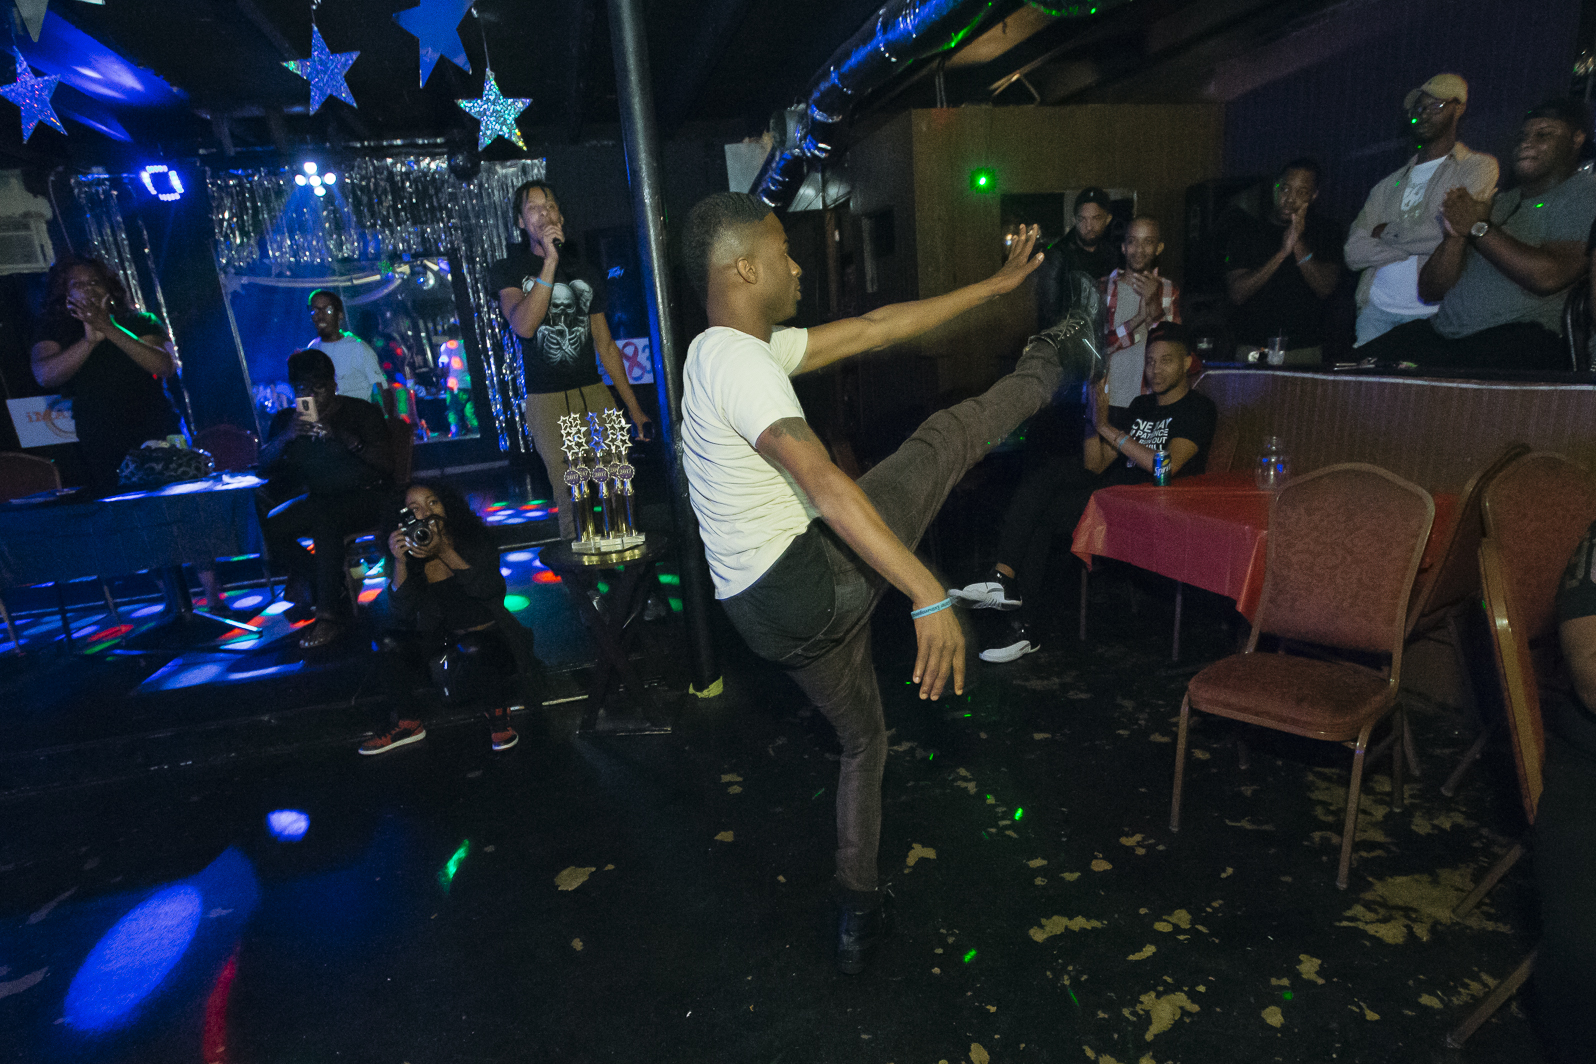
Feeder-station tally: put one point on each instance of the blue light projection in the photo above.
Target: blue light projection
(90, 67)
(287, 825)
(131, 960)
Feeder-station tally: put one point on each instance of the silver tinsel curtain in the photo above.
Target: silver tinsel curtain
(380, 209)
(102, 218)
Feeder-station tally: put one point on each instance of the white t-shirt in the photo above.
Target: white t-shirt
(355, 363)
(734, 387)
(1396, 284)
(1128, 365)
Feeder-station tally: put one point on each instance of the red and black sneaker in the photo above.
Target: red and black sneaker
(503, 735)
(402, 734)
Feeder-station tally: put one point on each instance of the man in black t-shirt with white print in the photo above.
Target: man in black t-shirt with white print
(1170, 417)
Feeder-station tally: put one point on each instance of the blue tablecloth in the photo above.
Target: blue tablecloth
(192, 523)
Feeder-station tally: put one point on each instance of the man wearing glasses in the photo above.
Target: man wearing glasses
(1400, 225)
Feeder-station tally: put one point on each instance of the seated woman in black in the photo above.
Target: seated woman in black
(343, 463)
(446, 597)
(110, 359)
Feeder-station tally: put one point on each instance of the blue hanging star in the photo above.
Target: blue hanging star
(33, 96)
(497, 114)
(325, 71)
(435, 23)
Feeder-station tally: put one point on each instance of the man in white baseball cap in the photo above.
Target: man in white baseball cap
(1399, 225)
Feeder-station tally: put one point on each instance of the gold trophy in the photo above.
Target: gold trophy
(601, 492)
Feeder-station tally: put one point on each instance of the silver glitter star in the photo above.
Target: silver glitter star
(497, 114)
(325, 71)
(33, 96)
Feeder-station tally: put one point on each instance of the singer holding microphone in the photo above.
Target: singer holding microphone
(556, 304)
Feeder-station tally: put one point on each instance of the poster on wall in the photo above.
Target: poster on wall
(638, 359)
(43, 420)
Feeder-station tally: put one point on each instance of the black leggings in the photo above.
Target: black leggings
(327, 519)
(478, 666)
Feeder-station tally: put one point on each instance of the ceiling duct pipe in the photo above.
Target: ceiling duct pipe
(897, 35)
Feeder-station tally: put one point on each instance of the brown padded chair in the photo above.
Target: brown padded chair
(1538, 509)
(233, 448)
(1521, 699)
(1446, 590)
(1344, 545)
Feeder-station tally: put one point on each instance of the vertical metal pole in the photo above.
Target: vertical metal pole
(641, 138)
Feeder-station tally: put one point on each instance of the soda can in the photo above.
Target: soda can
(1161, 466)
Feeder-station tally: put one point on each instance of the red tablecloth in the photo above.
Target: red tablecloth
(1209, 531)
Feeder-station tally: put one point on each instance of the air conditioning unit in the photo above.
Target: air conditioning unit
(24, 237)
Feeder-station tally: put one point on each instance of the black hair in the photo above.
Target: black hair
(525, 189)
(1170, 332)
(459, 519)
(1575, 114)
(711, 217)
(55, 287)
(1302, 162)
(337, 300)
(311, 365)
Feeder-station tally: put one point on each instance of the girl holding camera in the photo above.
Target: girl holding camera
(446, 604)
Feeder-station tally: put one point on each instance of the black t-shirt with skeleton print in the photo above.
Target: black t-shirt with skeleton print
(560, 355)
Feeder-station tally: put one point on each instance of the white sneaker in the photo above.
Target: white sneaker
(1013, 652)
(985, 595)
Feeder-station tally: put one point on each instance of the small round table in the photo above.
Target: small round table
(631, 575)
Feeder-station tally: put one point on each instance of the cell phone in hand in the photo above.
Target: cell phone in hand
(306, 404)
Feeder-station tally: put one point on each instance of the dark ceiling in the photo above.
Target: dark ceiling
(731, 62)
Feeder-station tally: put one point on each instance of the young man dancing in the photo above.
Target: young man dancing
(801, 590)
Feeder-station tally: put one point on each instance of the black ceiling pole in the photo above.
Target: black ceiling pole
(635, 91)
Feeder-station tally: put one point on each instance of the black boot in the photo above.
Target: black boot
(859, 928)
(1074, 337)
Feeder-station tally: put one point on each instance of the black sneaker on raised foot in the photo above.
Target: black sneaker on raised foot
(859, 930)
(996, 592)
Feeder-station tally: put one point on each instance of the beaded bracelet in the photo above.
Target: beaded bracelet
(929, 610)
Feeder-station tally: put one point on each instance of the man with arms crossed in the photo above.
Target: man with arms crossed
(801, 590)
(1400, 222)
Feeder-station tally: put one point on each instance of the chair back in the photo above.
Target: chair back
(1576, 324)
(1537, 510)
(232, 447)
(1520, 695)
(24, 474)
(1222, 451)
(1344, 545)
(402, 438)
(1455, 577)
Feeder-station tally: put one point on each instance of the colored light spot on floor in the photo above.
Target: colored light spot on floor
(1285, 995)
(451, 867)
(248, 602)
(573, 877)
(675, 604)
(130, 962)
(519, 556)
(970, 956)
(287, 825)
(1019, 812)
(369, 594)
(280, 606)
(670, 579)
(545, 577)
(516, 603)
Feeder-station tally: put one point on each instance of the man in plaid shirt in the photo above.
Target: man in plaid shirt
(1135, 298)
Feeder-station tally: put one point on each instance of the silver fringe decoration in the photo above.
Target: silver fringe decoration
(102, 218)
(381, 209)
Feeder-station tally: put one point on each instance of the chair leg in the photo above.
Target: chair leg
(1349, 831)
(1085, 575)
(1471, 755)
(1180, 763)
(1243, 755)
(110, 602)
(1409, 749)
(1180, 598)
(1493, 1001)
(11, 629)
(1398, 745)
(1492, 877)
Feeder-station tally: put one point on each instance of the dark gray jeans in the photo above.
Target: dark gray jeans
(810, 612)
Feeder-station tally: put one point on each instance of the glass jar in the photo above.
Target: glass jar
(1274, 465)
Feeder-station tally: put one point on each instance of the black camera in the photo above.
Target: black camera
(418, 531)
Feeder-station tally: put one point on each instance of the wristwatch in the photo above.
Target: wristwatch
(1479, 229)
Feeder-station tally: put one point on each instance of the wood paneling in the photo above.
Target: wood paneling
(1157, 150)
(1436, 433)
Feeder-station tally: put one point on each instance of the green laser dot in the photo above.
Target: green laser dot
(446, 874)
(1018, 813)
(1073, 998)
(817, 794)
(1286, 994)
(970, 956)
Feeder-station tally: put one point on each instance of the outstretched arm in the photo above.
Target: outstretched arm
(793, 447)
(885, 326)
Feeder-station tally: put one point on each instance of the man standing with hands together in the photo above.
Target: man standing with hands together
(801, 554)
(1281, 269)
(1135, 298)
